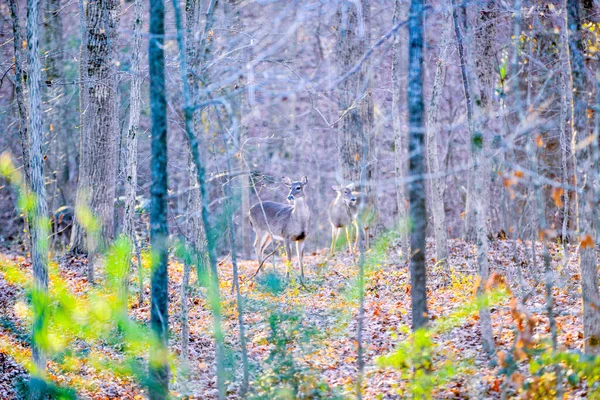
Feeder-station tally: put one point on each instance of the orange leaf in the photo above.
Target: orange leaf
(539, 141)
(519, 174)
(557, 196)
(587, 242)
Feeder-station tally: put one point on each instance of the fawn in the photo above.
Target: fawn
(284, 222)
(340, 215)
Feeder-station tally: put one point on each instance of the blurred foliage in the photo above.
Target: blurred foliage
(283, 377)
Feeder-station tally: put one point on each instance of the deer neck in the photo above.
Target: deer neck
(301, 208)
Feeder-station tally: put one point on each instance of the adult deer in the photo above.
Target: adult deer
(340, 215)
(284, 222)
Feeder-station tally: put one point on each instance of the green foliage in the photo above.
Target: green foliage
(414, 359)
(284, 377)
(272, 282)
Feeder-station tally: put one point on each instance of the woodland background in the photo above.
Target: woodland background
(473, 124)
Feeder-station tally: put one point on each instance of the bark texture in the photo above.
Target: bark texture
(433, 128)
(400, 139)
(416, 134)
(21, 102)
(484, 58)
(583, 169)
(39, 214)
(98, 167)
(58, 135)
(159, 315)
(355, 102)
(134, 122)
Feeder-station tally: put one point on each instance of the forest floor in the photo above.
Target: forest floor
(327, 304)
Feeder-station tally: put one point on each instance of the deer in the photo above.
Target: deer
(340, 215)
(362, 209)
(283, 222)
(62, 224)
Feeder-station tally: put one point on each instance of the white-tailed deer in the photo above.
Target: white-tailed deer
(62, 225)
(362, 209)
(285, 222)
(340, 215)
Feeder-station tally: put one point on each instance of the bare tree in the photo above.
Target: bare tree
(584, 176)
(56, 110)
(355, 104)
(39, 213)
(484, 54)
(159, 314)
(134, 122)
(433, 127)
(416, 132)
(21, 102)
(400, 140)
(97, 175)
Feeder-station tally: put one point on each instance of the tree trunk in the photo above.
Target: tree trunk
(192, 208)
(437, 186)
(583, 170)
(484, 54)
(468, 232)
(159, 316)
(355, 102)
(214, 289)
(416, 134)
(55, 93)
(97, 175)
(400, 142)
(134, 122)
(39, 213)
(21, 102)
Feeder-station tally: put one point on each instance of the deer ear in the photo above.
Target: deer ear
(350, 186)
(304, 180)
(335, 187)
(286, 181)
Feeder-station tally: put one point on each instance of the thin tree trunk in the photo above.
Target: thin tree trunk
(433, 127)
(21, 102)
(193, 225)
(97, 178)
(214, 294)
(566, 98)
(354, 100)
(159, 316)
(39, 213)
(416, 132)
(485, 54)
(468, 232)
(57, 128)
(400, 142)
(134, 122)
(583, 168)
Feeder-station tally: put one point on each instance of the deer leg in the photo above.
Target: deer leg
(348, 239)
(288, 251)
(260, 243)
(300, 252)
(357, 237)
(333, 239)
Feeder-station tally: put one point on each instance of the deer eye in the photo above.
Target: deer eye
(297, 189)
